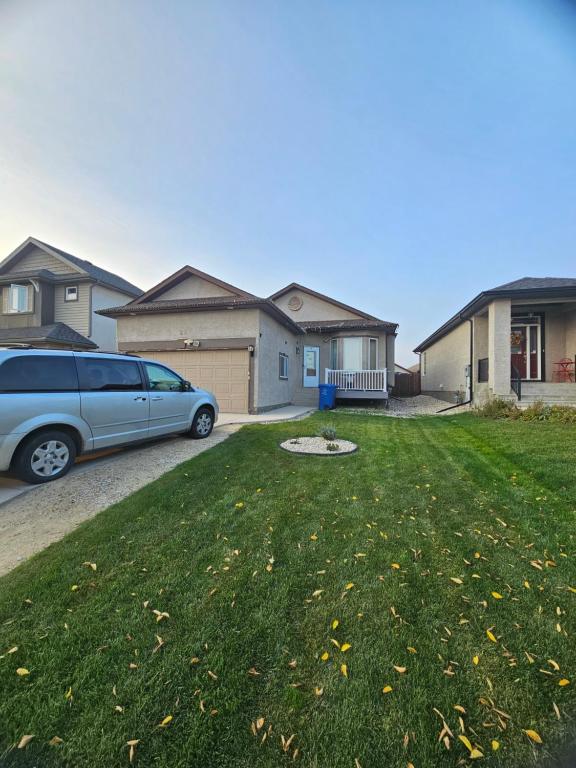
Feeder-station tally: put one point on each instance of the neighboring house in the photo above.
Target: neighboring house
(516, 341)
(49, 298)
(257, 353)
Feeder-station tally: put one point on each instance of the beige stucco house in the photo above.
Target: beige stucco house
(49, 298)
(516, 341)
(258, 353)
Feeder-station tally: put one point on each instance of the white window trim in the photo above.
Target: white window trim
(71, 287)
(375, 340)
(283, 365)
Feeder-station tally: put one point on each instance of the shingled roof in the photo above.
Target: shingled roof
(58, 333)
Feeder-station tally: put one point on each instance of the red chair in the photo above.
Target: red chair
(564, 370)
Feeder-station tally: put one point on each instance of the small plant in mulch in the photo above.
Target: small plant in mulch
(332, 447)
(295, 442)
(328, 432)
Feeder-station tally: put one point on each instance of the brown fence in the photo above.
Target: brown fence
(406, 384)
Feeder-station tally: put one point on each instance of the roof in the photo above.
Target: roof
(57, 332)
(329, 299)
(102, 276)
(321, 326)
(183, 273)
(524, 288)
(203, 304)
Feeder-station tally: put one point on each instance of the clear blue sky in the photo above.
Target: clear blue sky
(399, 155)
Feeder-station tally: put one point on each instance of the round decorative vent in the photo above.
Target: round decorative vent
(295, 303)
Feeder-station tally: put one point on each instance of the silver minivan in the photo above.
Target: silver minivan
(55, 405)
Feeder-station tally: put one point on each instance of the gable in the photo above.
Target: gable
(193, 287)
(302, 306)
(34, 259)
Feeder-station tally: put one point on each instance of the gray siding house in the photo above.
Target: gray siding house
(49, 298)
(257, 353)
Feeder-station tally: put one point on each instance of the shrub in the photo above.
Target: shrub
(498, 409)
(537, 411)
(328, 432)
(332, 447)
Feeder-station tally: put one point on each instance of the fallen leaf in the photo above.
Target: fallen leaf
(455, 580)
(344, 670)
(475, 660)
(55, 740)
(387, 689)
(495, 745)
(349, 585)
(562, 683)
(491, 636)
(22, 671)
(168, 719)
(325, 656)
(400, 670)
(25, 740)
(496, 595)
(335, 623)
(344, 647)
(533, 735)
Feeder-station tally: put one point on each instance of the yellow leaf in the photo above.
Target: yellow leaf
(55, 740)
(496, 595)
(400, 670)
(74, 588)
(455, 580)
(335, 642)
(466, 742)
(527, 584)
(349, 585)
(344, 647)
(68, 694)
(259, 723)
(22, 671)
(396, 566)
(325, 656)
(239, 504)
(460, 709)
(475, 754)
(168, 719)
(25, 740)
(563, 682)
(318, 691)
(410, 649)
(387, 689)
(572, 589)
(475, 660)
(554, 664)
(335, 623)
(13, 649)
(491, 636)
(495, 745)
(533, 735)
(344, 670)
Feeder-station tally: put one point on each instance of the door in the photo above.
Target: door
(311, 366)
(170, 403)
(525, 350)
(224, 372)
(113, 400)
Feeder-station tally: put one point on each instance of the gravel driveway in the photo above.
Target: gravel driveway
(48, 512)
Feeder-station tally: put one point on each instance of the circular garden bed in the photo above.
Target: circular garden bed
(319, 446)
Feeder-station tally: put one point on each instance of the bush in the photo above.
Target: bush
(332, 447)
(537, 411)
(328, 432)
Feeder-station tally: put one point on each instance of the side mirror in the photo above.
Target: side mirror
(186, 386)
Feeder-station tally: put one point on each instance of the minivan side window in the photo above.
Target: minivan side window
(107, 375)
(38, 373)
(163, 380)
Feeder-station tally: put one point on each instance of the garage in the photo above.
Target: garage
(225, 372)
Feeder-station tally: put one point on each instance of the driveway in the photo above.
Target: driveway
(33, 516)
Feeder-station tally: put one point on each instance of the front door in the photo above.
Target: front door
(311, 366)
(525, 351)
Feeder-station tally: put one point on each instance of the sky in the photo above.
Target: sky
(400, 156)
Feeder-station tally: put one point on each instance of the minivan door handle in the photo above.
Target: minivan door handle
(157, 398)
(140, 397)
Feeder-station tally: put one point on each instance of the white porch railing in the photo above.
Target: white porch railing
(364, 381)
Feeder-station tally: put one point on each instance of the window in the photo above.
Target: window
(163, 379)
(38, 373)
(283, 366)
(334, 354)
(109, 375)
(18, 298)
(71, 293)
(372, 354)
(352, 353)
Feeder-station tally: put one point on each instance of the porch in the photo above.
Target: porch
(358, 384)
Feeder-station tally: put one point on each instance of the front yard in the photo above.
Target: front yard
(412, 603)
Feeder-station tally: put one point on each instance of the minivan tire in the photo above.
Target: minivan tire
(45, 456)
(202, 423)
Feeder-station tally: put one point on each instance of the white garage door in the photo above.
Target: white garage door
(225, 372)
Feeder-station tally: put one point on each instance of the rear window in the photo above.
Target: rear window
(38, 373)
(108, 375)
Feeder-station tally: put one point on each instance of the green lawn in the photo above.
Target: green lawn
(251, 555)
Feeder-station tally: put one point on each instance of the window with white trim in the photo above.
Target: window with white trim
(372, 354)
(334, 354)
(18, 298)
(71, 293)
(283, 365)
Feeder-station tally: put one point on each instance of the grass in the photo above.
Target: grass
(249, 554)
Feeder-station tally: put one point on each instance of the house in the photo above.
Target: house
(516, 341)
(258, 353)
(49, 298)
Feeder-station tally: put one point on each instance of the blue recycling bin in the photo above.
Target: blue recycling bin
(327, 399)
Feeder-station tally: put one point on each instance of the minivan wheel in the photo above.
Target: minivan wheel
(45, 456)
(202, 424)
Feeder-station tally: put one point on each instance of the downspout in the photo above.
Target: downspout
(469, 401)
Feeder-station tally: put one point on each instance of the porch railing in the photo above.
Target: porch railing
(364, 381)
(516, 382)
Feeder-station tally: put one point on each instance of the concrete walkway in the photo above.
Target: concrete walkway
(278, 414)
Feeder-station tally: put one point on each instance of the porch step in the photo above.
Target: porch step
(551, 393)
